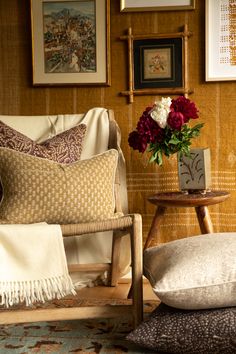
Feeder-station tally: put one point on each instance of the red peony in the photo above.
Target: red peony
(186, 107)
(137, 141)
(175, 120)
(149, 128)
(163, 130)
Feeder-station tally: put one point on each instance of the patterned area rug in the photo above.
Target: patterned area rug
(101, 336)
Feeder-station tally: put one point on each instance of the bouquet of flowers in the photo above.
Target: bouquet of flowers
(163, 128)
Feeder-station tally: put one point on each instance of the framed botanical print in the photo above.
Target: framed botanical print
(70, 42)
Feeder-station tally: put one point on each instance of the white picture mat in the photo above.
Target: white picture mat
(145, 5)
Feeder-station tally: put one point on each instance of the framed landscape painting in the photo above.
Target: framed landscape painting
(70, 42)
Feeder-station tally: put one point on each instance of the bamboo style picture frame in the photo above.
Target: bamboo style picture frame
(156, 5)
(220, 61)
(157, 64)
(70, 42)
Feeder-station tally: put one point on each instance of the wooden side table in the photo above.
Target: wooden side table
(179, 199)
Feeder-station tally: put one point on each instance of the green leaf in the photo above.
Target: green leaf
(198, 126)
(159, 160)
(156, 157)
(152, 158)
(174, 141)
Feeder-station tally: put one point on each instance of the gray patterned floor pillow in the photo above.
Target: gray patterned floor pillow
(171, 330)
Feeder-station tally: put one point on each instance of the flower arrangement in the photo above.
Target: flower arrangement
(163, 128)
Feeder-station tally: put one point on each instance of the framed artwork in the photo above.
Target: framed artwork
(220, 40)
(156, 5)
(157, 63)
(70, 42)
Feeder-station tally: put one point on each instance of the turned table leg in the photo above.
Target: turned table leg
(155, 226)
(204, 219)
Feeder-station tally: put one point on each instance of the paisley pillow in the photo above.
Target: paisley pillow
(65, 147)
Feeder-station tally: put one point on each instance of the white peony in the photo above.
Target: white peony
(161, 111)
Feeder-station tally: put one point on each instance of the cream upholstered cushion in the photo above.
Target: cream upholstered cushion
(37, 189)
(65, 147)
(197, 272)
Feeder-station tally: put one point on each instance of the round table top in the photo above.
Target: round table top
(180, 199)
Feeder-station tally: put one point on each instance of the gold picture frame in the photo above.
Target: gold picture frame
(156, 5)
(71, 42)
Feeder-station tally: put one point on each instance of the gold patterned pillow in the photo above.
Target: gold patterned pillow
(36, 189)
(65, 147)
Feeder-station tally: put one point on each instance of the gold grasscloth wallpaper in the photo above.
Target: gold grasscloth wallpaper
(215, 100)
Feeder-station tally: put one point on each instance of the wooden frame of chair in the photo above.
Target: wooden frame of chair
(128, 224)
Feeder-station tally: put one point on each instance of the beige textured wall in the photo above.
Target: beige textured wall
(216, 102)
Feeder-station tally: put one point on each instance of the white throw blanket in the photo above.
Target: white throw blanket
(32, 264)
